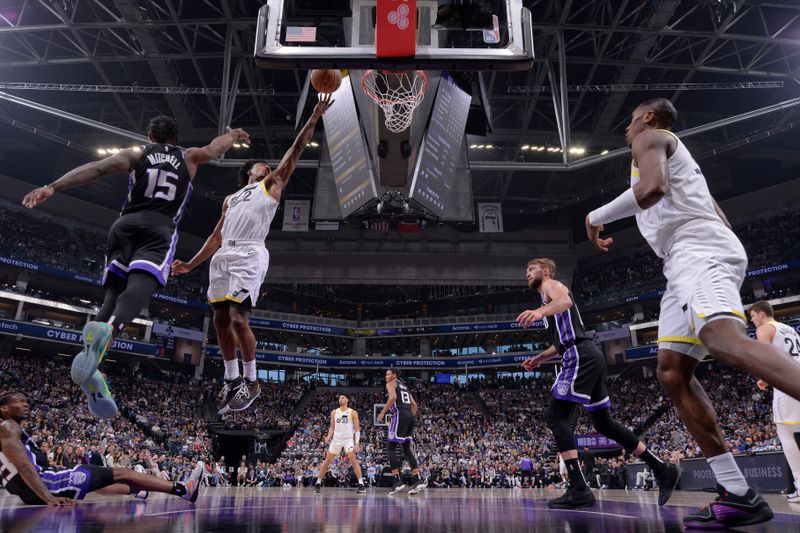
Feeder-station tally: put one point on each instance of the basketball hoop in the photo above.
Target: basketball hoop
(397, 93)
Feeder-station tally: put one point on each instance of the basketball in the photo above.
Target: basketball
(326, 80)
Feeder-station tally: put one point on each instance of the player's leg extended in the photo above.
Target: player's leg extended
(667, 474)
(737, 501)
(351, 455)
(249, 389)
(727, 342)
(187, 490)
(226, 338)
(323, 469)
(789, 435)
(557, 417)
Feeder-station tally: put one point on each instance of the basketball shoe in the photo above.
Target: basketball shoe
(193, 483)
(96, 339)
(246, 393)
(730, 511)
(573, 499)
(397, 487)
(101, 404)
(667, 482)
(417, 487)
(226, 395)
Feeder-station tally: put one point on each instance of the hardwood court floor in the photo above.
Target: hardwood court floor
(232, 510)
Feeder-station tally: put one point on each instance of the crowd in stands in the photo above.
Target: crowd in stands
(156, 428)
(768, 241)
(489, 433)
(44, 240)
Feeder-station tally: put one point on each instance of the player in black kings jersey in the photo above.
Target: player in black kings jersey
(581, 381)
(142, 241)
(25, 471)
(403, 407)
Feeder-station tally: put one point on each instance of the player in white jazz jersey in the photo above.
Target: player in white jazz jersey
(240, 262)
(785, 409)
(701, 310)
(343, 436)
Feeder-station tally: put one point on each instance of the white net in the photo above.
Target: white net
(397, 93)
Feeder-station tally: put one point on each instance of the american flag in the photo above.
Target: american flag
(301, 34)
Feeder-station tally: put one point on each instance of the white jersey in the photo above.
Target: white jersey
(343, 427)
(687, 200)
(786, 410)
(249, 215)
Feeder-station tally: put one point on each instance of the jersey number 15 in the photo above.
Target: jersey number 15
(161, 184)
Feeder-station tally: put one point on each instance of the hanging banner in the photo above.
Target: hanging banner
(490, 217)
(295, 215)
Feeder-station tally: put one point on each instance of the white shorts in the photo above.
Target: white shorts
(237, 272)
(337, 445)
(785, 409)
(705, 268)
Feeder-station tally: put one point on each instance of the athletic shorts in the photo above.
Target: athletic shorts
(705, 268)
(143, 240)
(74, 483)
(338, 445)
(785, 409)
(237, 272)
(401, 427)
(582, 378)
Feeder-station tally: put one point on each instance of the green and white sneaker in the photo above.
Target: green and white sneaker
(96, 340)
(101, 404)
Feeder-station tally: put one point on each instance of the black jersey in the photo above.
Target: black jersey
(9, 476)
(159, 182)
(566, 329)
(403, 395)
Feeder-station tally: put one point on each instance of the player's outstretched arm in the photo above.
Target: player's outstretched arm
(286, 167)
(10, 433)
(120, 162)
(651, 151)
(218, 146)
(212, 244)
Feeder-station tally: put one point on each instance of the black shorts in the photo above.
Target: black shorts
(583, 377)
(74, 483)
(144, 240)
(401, 428)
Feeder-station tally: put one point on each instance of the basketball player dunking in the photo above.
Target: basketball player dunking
(343, 435)
(582, 381)
(785, 409)
(25, 471)
(142, 241)
(701, 310)
(241, 260)
(404, 408)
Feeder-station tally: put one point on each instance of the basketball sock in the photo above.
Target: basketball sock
(576, 480)
(178, 489)
(231, 369)
(656, 465)
(728, 474)
(249, 370)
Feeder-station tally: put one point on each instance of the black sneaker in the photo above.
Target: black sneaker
(226, 395)
(573, 499)
(361, 489)
(397, 487)
(729, 510)
(317, 488)
(245, 394)
(667, 481)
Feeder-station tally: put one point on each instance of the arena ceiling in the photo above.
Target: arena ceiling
(119, 62)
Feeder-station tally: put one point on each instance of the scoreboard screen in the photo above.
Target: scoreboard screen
(440, 164)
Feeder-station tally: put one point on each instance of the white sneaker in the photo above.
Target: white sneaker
(193, 483)
(793, 497)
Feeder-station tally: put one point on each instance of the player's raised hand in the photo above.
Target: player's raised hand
(325, 102)
(526, 318)
(37, 196)
(763, 385)
(179, 267)
(593, 232)
(241, 135)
